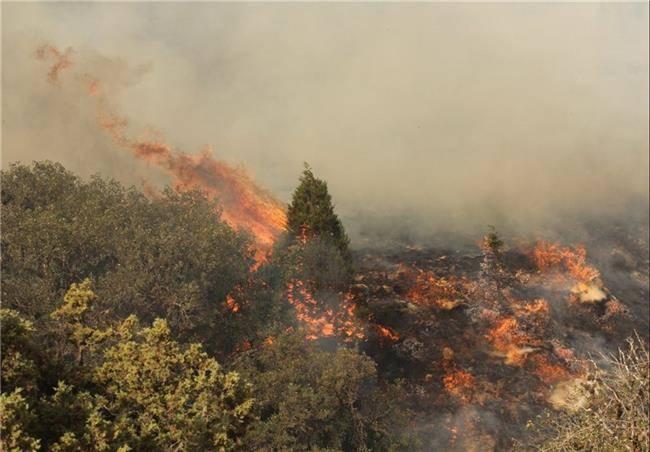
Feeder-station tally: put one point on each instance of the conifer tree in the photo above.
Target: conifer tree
(311, 213)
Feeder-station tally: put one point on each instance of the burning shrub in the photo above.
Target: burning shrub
(552, 256)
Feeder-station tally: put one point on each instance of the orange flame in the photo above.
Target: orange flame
(245, 205)
(232, 304)
(459, 384)
(387, 333)
(428, 289)
(323, 322)
(548, 372)
(510, 342)
(552, 256)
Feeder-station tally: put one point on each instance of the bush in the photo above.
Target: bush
(607, 412)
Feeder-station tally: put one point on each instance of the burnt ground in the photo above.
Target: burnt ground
(477, 366)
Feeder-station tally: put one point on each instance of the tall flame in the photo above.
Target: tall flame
(244, 204)
(552, 256)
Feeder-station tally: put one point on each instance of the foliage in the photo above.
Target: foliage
(308, 399)
(18, 367)
(610, 411)
(311, 213)
(15, 418)
(169, 257)
(164, 396)
(317, 262)
(85, 263)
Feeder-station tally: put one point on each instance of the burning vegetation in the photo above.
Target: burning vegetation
(315, 346)
(244, 205)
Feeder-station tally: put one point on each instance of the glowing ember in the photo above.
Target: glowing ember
(320, 321)
(459, 384)
(232, 304)
(549, 372)
(387, 333)
(442, 293)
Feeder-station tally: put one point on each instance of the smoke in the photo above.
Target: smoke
(422, 117)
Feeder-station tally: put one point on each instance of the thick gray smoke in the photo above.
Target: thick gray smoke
(431, 116)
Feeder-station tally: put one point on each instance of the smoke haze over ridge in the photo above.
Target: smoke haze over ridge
(437, 115)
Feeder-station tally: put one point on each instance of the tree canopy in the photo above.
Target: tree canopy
(135, 323)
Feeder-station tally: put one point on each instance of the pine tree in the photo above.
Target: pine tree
(311, 214)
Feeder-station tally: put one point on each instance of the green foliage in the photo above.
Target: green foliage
(147, 392)
(72, 318)
(169, 257)
(609, 411)
(18, 367)
(319, 263)
(85, 262)
(15, 418)
(311, 213)
(161, 395)
(308, 399)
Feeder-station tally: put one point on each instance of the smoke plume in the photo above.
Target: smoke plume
(421, 117)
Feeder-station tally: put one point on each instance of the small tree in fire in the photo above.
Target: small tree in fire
(491, 268)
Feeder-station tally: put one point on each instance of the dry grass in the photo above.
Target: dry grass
(615, 415)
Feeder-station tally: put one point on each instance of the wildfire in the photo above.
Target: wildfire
(428, 289)
(549, 372)
(552, 256)
(232, 304)
(245, 206)
(510, 342)
(459, 384)
(320, 321)
(387, 333)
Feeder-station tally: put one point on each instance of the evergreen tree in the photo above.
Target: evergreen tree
(311, 213)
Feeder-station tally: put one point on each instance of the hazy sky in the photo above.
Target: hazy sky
(440, 113)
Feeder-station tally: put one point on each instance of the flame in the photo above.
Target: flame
(232, 304)
(245, 206)
(589, 292)
(459, 383)
(428, 289)
(552, 256)
(510, 342)
(320, 321)
(387, 333)
(548, 372)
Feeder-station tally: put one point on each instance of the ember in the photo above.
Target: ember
(321, 321)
